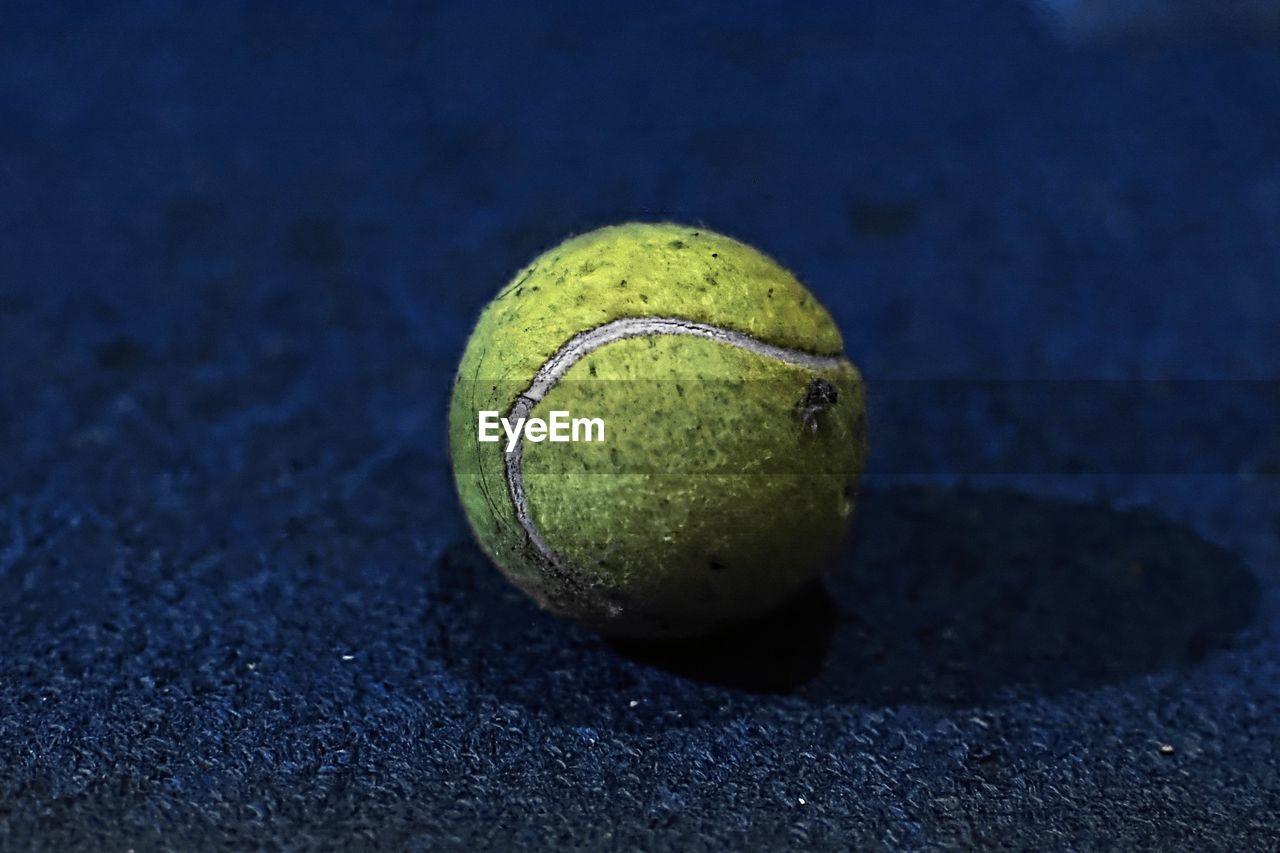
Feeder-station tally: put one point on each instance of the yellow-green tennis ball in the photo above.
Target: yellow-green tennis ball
(733, 431)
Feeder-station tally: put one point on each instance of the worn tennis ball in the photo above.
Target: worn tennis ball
(723, 470)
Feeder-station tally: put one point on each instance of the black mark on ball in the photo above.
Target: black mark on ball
(819, 395)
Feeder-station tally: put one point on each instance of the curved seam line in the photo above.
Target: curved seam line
(585, 343)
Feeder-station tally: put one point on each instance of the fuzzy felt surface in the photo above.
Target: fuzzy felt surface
(243, 245)
(711, 497)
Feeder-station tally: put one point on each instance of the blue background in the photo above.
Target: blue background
(241, 247)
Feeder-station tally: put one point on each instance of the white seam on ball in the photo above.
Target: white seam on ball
(581, 345)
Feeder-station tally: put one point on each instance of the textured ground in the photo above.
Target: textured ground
(240, 250)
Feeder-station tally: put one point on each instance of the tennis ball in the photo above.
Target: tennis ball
(722, 471)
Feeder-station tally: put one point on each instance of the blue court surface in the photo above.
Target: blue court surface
(241, 249)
